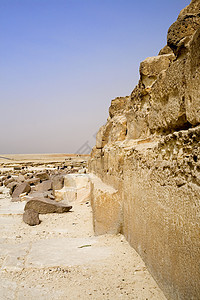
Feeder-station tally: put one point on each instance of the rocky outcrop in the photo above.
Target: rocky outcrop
(148, 153)
(180, 33)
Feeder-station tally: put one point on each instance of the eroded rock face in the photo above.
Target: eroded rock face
(149, 152)
(151, 67)
(181, 31)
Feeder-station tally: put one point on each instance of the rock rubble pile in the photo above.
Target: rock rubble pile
(38, 186)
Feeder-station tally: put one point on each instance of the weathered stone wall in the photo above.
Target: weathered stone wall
(149, 153)
(159, 186)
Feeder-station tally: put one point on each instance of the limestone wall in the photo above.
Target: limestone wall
(149, 153)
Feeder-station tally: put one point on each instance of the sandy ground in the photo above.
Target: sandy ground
(62, 259)
(42, 158)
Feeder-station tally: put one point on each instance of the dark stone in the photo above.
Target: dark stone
(21, 188)
(57, 182)
(12, 186)
(8, 181)
(17, 168)
(45, 206)
(31, 217)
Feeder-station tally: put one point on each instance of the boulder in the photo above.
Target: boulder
(8, 181)
(21, 188)
(45, 206)
(42, 175)
(20, 178)
(31, 217)
(12, 185)
(57, 182)
(44, 186)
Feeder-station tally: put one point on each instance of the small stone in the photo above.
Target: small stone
(17, 168)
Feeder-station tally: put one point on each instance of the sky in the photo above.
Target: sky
(63, 61)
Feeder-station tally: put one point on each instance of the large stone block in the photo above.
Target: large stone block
(118, 105)
(151, 67)
(45, 185)
(76, 188)
(106, 206)
(20, 189)
(57, 182)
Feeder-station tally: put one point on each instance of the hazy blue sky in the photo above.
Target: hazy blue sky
(63, 61)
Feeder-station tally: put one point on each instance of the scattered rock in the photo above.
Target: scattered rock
(12, 186)
(21, 178)
(17, 168)
(31, 217)
(8, 181)
(20, 189)
(28, 175)
(45, 206)
(42, 175)
(44, 186)
(57, 182)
